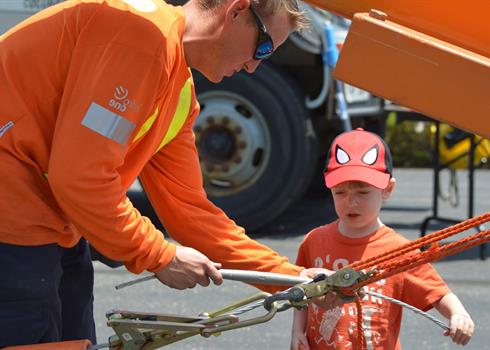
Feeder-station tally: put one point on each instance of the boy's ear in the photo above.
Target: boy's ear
(389, 189)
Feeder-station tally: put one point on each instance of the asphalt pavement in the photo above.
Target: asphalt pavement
(466, 274)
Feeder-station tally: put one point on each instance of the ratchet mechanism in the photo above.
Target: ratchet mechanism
(145, 331)
(301, 294)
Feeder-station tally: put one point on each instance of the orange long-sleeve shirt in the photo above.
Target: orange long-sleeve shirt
(88, 92)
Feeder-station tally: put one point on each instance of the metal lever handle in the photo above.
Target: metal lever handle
(247, 276)
(275, 279)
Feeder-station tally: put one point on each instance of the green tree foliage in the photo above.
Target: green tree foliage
(410, 142)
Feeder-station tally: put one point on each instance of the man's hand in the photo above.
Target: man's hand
(188, 268)
(329, 300)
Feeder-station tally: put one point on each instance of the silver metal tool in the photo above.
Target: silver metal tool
(253, 277)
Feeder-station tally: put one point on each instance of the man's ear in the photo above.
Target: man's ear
(389, 189)
(235, 8)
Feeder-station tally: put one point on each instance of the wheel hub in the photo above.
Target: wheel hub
(218, 144)
(233, 142)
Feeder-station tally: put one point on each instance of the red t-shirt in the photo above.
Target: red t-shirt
(325, 247)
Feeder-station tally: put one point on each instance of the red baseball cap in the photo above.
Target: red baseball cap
(358, 155)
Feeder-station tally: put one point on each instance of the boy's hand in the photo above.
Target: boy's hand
(461, 328)
(299, 341)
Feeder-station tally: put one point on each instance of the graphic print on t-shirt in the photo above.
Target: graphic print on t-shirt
(327, 320)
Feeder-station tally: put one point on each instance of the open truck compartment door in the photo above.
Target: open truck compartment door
(431, 56)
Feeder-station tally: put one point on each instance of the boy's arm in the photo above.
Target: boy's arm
(461, 326)
(298, 336)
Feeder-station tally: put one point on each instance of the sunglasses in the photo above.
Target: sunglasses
(265, 46)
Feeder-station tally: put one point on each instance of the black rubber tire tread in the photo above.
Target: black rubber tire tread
(294, 152)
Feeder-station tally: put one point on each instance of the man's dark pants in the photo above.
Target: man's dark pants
(46, 294)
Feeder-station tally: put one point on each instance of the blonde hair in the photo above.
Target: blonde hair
(268, 8)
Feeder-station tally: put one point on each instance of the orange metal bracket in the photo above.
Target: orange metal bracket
(461, 23)
(432, 56)
(415, 70)
(66, 345)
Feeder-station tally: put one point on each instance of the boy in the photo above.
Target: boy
(359, 174)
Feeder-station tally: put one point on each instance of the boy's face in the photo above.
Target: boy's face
(358, 205)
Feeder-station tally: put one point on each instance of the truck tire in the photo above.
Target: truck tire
(256, 144)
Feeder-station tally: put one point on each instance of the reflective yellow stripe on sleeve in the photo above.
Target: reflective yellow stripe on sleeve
(146, 125)
(180, 115)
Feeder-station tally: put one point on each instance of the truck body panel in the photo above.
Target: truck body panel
(433, 56)
(465, 26)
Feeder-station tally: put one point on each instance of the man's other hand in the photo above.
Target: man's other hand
(188, 268)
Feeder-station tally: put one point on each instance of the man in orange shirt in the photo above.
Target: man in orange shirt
(94, 93)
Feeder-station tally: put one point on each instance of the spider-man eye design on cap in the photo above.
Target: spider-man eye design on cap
(371, 156)
(341, 156)
(358, 155)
